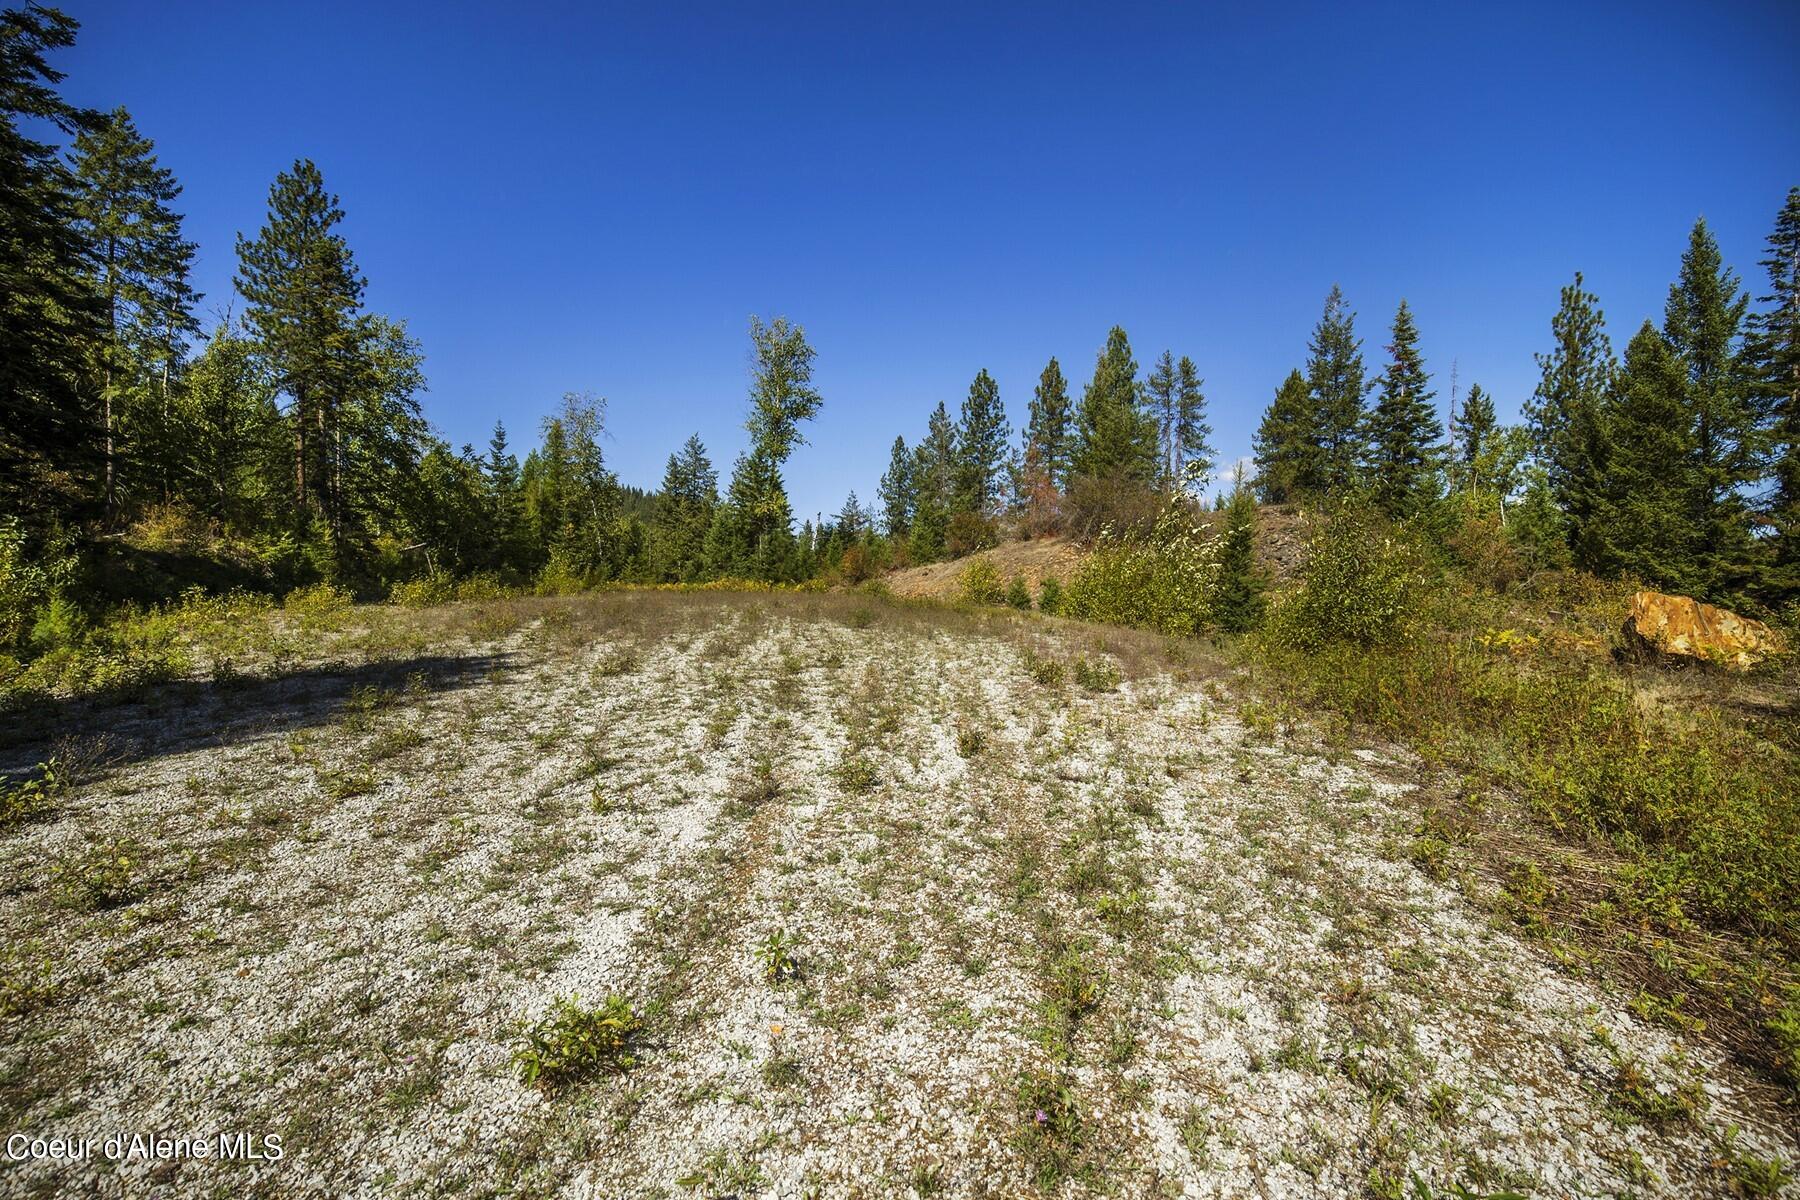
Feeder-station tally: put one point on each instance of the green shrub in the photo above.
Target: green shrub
(969, 532)
(1361, 583)
(29, 797)
(101, 876)
(319, 602)
(979, 582)
(1017, 594)
(1162, 581)
(1050, 594)
(421, 593)
(1096, 676)
(26, 586)
(571, 1042)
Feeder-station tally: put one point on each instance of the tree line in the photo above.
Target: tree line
(294, 426)
(1678, 466)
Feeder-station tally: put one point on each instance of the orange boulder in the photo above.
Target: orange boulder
(1682, 627)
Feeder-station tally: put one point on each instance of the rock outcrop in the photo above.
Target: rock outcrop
(1661, 626)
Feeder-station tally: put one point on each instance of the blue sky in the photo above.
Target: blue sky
(595, 197)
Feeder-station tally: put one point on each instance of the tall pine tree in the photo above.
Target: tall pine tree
(981, 441)
(50, 448)
(1194, 454)
(1640, 524)
(1776, 354)
(1334, 375)
(685, 509)
(1565, 413)
(1404, 433)
(1115, 438)
(1286, 444)
(899, 494)
(1047, 440)
(304, 293)
(1703, 322)
(141, 266)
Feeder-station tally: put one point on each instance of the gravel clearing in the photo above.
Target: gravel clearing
(1045, 939)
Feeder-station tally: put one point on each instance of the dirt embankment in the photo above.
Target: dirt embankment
(1280, 538)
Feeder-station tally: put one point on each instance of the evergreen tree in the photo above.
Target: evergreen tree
(233, 433)
(685, 509)
(981, 448)
(1403, 429)
(1285, 447)
(1194, 454)
(899, 494)
(1326, 462)
(505, 502)
(1159, 396)
(1114, 436)
(933, 473)
(1565, 412)
(1237, 601)
(1641, 525)
(1472, 431)
(1047, 441)
(49, 315)
(1703, 322)
(141, 265)
(304, 293)
(1776, 354)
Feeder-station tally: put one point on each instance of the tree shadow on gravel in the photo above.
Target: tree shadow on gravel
(94, 734)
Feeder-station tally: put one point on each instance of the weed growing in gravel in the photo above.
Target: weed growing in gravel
(1046, 671)
(27, 978)
(758, 788)
(1097, 675)
(571, 1042)
(346, 782)
(723, 1173)
(970, 741)
(775, 954)
(100, 877)
(857, 775)
(1052, 1132)
(29, 797)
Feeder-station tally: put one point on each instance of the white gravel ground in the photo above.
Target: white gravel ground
(1049, 940)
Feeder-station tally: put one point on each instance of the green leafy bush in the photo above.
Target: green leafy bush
(1362, 583)
(422, 593)
(571, 1042)
(979, 583)
(1163, 581)
(320, 602)
(1050, 594)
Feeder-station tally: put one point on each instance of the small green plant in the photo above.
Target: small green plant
(29, 797)
(572, 1041)
(1047, 671)
(102, 876)
(1096, 675)
(1017, 594)
(1759, 1176)
(970, 741)
(857, 775)
(775, 955)
(346, 782)
(760, 787)
(980, 582)
(1051, 1132)
(1050, 594)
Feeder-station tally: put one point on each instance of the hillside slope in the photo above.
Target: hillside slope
(1133, 938)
